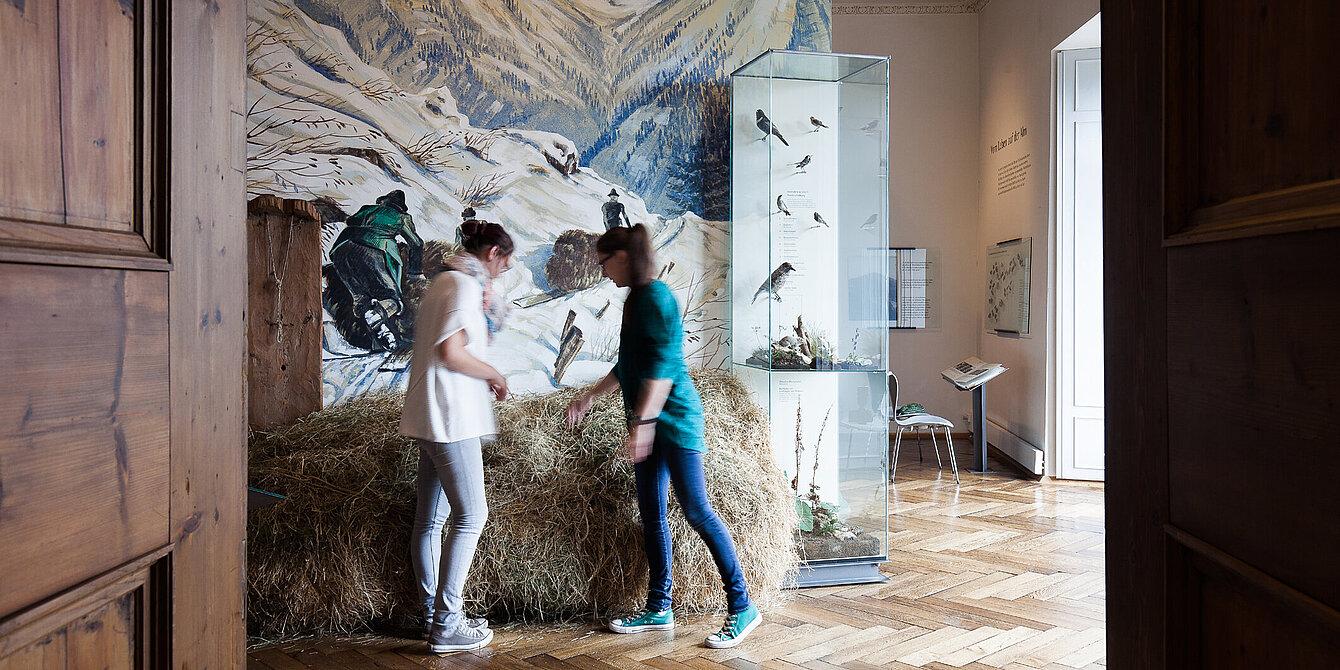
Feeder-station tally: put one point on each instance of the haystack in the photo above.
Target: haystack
(563, 538)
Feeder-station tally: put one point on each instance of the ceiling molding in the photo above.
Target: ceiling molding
(910, 7)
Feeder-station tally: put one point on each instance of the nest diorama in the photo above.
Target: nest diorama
(803, 349)
(563, 539)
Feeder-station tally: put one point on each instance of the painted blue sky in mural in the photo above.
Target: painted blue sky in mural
(640, 87)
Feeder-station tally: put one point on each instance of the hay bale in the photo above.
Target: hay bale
(563, 537)
(573, 265)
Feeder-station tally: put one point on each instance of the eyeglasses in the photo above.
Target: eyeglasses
(603, 261)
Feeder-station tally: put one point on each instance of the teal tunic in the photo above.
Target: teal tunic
(651, 346)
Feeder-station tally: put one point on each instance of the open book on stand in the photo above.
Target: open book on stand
(971, 372)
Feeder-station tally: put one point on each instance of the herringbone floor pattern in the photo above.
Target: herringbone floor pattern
(999, 573)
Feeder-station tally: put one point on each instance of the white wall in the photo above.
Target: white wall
(959, 83)
(933, 182)
(1016, 42)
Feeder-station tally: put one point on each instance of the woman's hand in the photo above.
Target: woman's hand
(638, 443)
(578, 407)
(498, 386)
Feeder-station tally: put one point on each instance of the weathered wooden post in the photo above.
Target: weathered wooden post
(284, 310)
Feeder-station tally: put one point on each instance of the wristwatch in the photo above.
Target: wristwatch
(637, 420)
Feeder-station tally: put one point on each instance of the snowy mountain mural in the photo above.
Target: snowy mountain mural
(531, 113)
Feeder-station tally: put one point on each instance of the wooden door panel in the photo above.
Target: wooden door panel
(1264, 126)
(83, 425)
(30, 188)
(1225, 615)
(83, 89)
(49, 652)
(1248, 140)
(106, 638)
(98, 63)
(119, 620)
(1253, 393)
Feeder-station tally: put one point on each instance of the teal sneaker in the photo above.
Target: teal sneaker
(644, 620)
(737, 626)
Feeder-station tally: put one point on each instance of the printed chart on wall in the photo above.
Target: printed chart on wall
(1008, 266)
(911, 288)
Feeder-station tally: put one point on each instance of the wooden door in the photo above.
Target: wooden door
(122, 453)
(1222, 232)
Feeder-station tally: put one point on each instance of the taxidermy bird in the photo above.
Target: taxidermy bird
(800, 165)
(775, 282)
(817, 124)
(782, 207)
(821, 221)
(765, 124)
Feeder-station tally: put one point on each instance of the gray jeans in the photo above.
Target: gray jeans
(450, 482)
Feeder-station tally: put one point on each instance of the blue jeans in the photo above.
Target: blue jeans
(683, 468)
(450, 482)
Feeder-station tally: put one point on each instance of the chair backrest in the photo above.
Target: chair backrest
(893, 394)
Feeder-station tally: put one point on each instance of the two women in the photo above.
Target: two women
(447, 410)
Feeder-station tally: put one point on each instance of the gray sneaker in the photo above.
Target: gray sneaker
(464, 638)
(472, 622)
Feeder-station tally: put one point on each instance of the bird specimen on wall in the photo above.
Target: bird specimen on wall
(765, 125)
(781, 206)
(774, 283)
(817, 124)
(820, 220)
(800, 165)
(870, 222)
(870, 126)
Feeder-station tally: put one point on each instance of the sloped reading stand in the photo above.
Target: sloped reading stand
(971, 374)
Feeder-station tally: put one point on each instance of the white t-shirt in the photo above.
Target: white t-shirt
(441, 405)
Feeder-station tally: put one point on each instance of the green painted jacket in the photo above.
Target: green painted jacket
(377, 226)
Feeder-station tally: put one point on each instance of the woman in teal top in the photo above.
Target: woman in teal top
(665, 435)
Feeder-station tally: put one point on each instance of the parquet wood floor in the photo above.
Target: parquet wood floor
(999, 573)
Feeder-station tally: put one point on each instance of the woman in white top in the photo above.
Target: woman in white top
(448, 409)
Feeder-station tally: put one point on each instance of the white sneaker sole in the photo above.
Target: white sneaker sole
(441, 649)
(727, 644)
(638, 629)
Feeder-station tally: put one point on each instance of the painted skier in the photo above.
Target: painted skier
(369, 271)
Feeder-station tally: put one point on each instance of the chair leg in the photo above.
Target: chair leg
(938, 464)
(897, 440)
(953, 462)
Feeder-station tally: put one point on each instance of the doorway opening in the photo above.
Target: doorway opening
(1078, 240)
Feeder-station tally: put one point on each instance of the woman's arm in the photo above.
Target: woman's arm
(642, 432)
(579, 405)
(456, 358)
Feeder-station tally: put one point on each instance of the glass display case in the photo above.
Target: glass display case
(810, 291)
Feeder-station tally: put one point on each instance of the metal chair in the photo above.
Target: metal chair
(918, 421)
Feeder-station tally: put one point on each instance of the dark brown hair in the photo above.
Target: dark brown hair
(636, 242)
(477, 237)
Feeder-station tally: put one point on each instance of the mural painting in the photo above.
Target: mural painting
(557, 119)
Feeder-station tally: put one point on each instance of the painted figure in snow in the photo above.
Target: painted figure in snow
(613, 209)
(367, 264)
